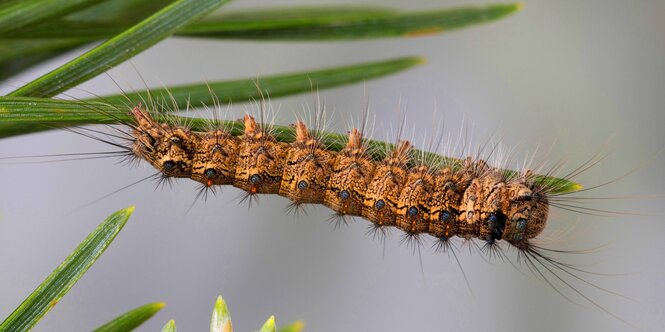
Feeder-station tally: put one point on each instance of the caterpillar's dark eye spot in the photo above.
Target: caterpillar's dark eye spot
(445, 216)
(169, 165)
(302, 185)
(344, 194)
(521, 224)
(254, 179)
(413, 211)
(210, 173)
(216, 148)
(176, 140)
(379, 204)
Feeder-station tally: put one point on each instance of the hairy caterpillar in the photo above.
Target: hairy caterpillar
(465, 199)
(471, 200)
(578, 83)
(398, 187)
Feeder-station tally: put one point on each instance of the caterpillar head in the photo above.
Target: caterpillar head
(527, 213)
(167, 149)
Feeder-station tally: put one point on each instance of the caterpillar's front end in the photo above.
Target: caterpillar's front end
(168, 149)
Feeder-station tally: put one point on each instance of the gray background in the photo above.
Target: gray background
(579, 77)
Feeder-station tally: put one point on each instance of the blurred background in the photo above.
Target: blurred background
(567, 79)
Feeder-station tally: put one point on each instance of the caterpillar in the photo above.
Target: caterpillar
(394, 188)
(472, 200)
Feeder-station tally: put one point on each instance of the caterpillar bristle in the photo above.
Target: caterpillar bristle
(378, 232)
(338, 220)
(203, 192)
(248, 198)
(296, 209)
(412, 240)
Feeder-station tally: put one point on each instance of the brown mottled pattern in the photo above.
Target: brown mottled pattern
(260, 160)
(170, 150)
(474, 201)
(348, 181)
(382, 195)
(307, 169)
(443, 204)
(412, 206)
(215, 158)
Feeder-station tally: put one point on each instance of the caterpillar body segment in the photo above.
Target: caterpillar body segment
(260, 160)
(413, 206)
(443, 210)
(383, 191)
(470, 201)
(348, 181)
(307, 168)
(215, 159)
